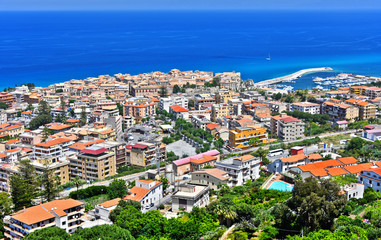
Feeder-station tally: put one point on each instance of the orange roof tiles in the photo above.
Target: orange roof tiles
(110, 203)
(2, 155)
(59, 126)
(12, 141)
(205, 159)
(294, 158)
(177, 108)
(212, 126)
(217, 173)
(314, 156)
(319, 172)
(53, 142)
(138, 193)
(353, 169)
(320, 165)
(348, 160)
(244, 158)
(337, 171)
(44, 211)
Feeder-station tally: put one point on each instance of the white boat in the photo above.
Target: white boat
(268, 58)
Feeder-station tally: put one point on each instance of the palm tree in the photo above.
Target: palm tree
(225, 213)
(77, 182)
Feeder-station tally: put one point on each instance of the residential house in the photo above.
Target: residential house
(290, 128)
(147, 192)
(213, 178)
(189, 196)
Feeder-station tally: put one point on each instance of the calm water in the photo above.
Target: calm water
(49, 47)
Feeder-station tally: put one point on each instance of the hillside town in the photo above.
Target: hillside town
(94, 152)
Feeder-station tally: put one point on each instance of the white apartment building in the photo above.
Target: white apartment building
(51, 151)
(240, 169)
(66, 214)
(307, 107)
(189, 196)
(165, 103)
(147, 192)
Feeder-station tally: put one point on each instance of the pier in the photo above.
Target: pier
(292, 76)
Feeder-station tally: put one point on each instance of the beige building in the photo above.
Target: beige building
(366, 110)
(290, 128)
(139, 108)
(93, 163)
(339, 111)
(147, 154)
(274, 123)
(224, 95)
(219, 111)
(210, 177)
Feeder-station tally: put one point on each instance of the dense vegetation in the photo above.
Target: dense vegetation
(308, 117)
(362, 149)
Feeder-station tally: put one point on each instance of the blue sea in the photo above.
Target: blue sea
(50, 47)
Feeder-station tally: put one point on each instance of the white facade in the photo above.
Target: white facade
(354, 190)
(240, 169)
(147, 192)
(307, 107)
(190, 196)
(165, 103)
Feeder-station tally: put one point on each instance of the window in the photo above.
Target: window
(64, 223)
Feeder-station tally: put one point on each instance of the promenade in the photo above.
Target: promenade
(292, 76)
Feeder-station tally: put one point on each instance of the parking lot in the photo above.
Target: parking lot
(180, 148)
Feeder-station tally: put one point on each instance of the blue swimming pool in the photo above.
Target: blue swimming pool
(281, 186)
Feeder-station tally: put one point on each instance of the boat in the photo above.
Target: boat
(268, 58)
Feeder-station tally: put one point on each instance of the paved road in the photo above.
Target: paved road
(299, 140)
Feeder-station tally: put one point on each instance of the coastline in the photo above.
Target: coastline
(292, 76)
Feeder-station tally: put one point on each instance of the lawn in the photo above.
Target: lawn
(335, 140)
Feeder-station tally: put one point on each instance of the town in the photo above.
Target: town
(189, 155)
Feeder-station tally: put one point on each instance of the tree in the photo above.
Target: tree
(121, 206)
(268, 233)
(43, 108)
(120, 108)
(24, 185)
(48, 233)
(77, 182)
(191, 103)
(117, 189)
(254, 141)
(5, 205)
(83, 117)
(163, 92)
(102, 232)
(45, 134)
(50, 184)
(176, 89)
(261, 153)
(3, 105)
(165, 182)
(40, 120)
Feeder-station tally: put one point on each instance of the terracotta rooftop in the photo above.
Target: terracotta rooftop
(110, 203)
(294, 158)
(217, 173)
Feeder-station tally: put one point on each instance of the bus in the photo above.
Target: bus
(276, 152)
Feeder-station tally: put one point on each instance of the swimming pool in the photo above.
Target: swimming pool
(281, 186)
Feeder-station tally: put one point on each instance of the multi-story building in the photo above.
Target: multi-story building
(139, 108)
(147, 192)
(58, 169)
(147, 154)
(371, 178)
(366, 110)
(184, 165)
(66, 214)
(274, 123)
(51, 151)
(6, 171)
(306, 107)
(200, 121)
(189, 196)
(165, 103)
(93, 163)
(241, 137)
(119, 150)
(220, 111)
(179, 112)
(203, 103)
(339, 111)
(240, 169)
(224, 95)
(210, 177)
(373, 92)
(7, 98)
(358, 90)
(32, 97)
(12, 129)
(290, 128)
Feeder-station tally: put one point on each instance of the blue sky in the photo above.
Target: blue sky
(188, 4)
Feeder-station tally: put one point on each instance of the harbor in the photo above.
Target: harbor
(291, 77)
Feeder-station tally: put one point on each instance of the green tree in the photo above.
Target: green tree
(102, 232)
(261, 153)
(117, 189)
(3, 105)
(120, 108)
(40, 120)
(45, 134)
(6, 205)
(77, 182)
(83, 117)
(49, 183)
(191, 103)
(165, 182)
(24, 185)
(121, 206)
(48, 233)
(268, 233)
(163, 91)
(43, 108)
(176, 89)
(254, 141)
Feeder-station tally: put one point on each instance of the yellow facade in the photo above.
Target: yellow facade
(240, 137)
